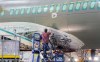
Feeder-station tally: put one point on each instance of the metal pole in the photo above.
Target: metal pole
(33, 49)
(15, 40)
(19, 48)
(70, 56)
(2, 47)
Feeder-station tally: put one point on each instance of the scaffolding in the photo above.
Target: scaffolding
(9, 45)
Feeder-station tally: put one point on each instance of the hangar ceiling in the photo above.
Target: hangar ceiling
(82, 24)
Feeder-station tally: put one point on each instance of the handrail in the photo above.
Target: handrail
(16, 35)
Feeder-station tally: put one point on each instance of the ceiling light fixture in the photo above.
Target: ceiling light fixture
(14, 2)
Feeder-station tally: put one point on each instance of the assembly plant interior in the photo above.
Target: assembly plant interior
(49, 31)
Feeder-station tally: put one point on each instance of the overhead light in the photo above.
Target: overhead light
(22, 2)
(69, 59)
(74, 28)
(96, 58)
(90, 58)
(76, 59)
(14, 2)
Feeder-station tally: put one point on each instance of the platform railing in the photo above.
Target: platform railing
(14, 40)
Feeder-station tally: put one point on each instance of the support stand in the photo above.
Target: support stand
(36, 47)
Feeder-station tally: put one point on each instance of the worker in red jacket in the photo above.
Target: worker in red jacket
(45, 41)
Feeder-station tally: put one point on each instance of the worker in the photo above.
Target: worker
(45, 41)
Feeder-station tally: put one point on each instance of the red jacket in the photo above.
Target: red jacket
(45, 37)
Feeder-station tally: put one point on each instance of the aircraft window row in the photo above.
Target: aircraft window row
(98, 5)
(2, 13)
(64, 7)
(92, 5)
(85, 5)
(57, 8)
(33, 10)
(16, 12)
(28, 11)
(39, 9)
(78, 5)
(45, 8)
(22, 11)
(73, 6)
(52, 8)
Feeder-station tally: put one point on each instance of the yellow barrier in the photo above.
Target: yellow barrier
(9, 56)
